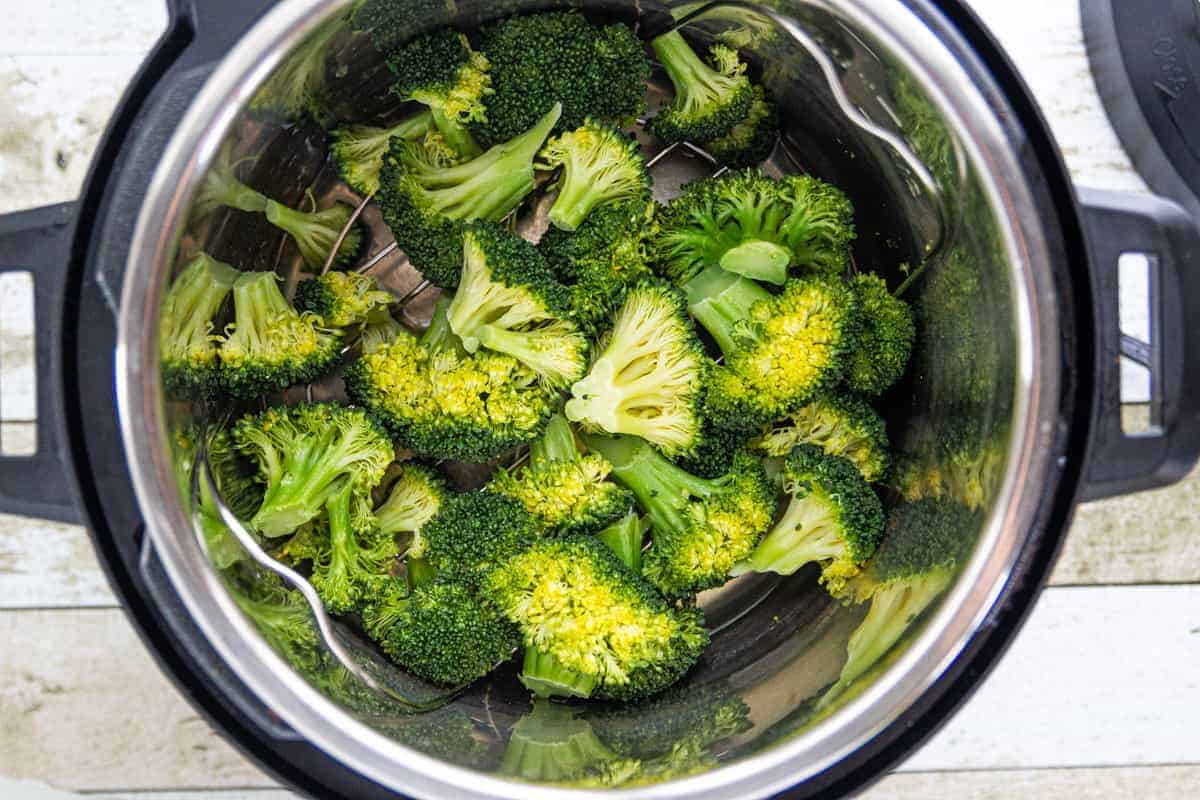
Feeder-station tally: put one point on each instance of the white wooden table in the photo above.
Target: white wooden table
(1098, 698)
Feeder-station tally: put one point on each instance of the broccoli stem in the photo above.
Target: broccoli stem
(556, 444)
(457, 136)
(343, 547)
(551, 744)
(803, 535)
(624, 537)
(545, 676)
(438, 336)
(224, 189)
(721, 301)
(694, 81)
(257, 302)
(759, 260)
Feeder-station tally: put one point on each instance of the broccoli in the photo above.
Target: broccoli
(296, 88)
(358, 150)
(751, 140)
(600, 164)
(270, 346)
(596, 623)
(833, 518)
(780, 350)
(508, 301)
(538, 60)
(921, 551)
(601, 260)
(187, 346)
(283, 618)
(222, 188)
(649, 376)
(885, 338)
(562, 489)
(413, 500)
(358, 563)
(554, 744)
(756, 226)
(380, 332)
(425, 204)
(305, 455)
(624, 537)
(961, 457)
(443, 403)
(446, 634)
(840, 424)
(441, 71)
(475, 532)
(701, 715)
(447, 733)
(700, 528)
(709, 100)
(344, 299)
(721, 438)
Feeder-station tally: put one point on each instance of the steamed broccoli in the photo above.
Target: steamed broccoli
(751, 140)
(700, 528)
(709, 100)
(541, 59)
(413, 500)
(702, 715)
(885, 338)
(380, 332)
(187, 346)
(358, 150)
(600, 165)
(959, 455)
(649, 375)
(508, 301)
(357, 566)
(624, 537)
(780, 350)
(756, 226)
(840, 424)
(562, 489)
(344, 299)
(601, 630)
(269, 346)
(305, 455)
(474, 533)
(283, 617)
(443, 403)
(425, 204)
(833, 518)
(296, 89)
(554, 744)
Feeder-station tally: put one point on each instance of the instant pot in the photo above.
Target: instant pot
(907, 105)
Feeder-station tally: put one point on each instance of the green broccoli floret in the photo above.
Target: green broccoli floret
(475, 532)
(344, 299)
(595, 622)
(283, 618)
(751, 140)
(562, 489)
(358, 564)
(380, 332)
(832, 518)
(187, 346)
(441, 402)
(721, 438)
(840, 424)
(960, 455)
(538, 60)
(920, 554)
(554, 744)
(508, 301)
(296, 88)
(699, 528)
(446, 634)
(358, 150)
(780, 350)
(649, 376)
(885, 337)
(425, 204)
(601, 260)
(271, 346)
(600, 165)
(413, 500)
(755, 226)
(305, 455)
(699, 715)
(625, 537)
(441, 71)
(709, 100)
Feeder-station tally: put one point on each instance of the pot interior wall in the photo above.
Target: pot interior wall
(781, 642)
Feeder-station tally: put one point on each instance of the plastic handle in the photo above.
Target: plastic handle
(1119, 463)
(39, 242)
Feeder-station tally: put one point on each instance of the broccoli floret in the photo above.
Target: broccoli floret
(699, 528)
(601, 260)
(554, 744)
(358, 150)
(840, 424)
(305, 455)
(271, 346)
(721, 438)
(698, 715)
(921, 551)
(596, 621)
(413, 500)
(508, 301)
(562, 489)
(344, 299)
(625, 537)
(357, 566)
(296, 88)
(445, 633)
(780, 350)
(751, 140)
(559, 57)
(885, 337)
(709, 100)
(283, 618)
(832, 518)
(475, 532)
(441, 71)
(187, 346)
(649, 376)
(755, 226)
(316, 232)
(600, 165)
(426, 204)
(380, 332)
(447, 733)
(443, 403)
(960, 456)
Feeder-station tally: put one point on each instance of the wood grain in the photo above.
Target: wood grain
(1145, 783)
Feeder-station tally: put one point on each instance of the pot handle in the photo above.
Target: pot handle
(38, 241)
(1118, 224)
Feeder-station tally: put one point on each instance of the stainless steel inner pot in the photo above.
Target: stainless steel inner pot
(871, 100)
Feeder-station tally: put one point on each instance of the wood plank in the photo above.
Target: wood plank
(35, 790)
(1145, 783)
(48, 564)
(68, 27)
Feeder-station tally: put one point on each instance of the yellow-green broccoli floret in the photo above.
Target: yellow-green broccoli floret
(600, 165)
(710, 99)
(187, 346)
(344, 299)
(885, 337)
(840, 424)
(358, 150)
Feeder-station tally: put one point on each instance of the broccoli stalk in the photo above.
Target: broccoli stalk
(624, 537)
(700, 528)
(186, 344)
(412, 502)
(358, 150)
(709, 100)
(316, 232)
(600, 165)
(357, 564)
(553, 744)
